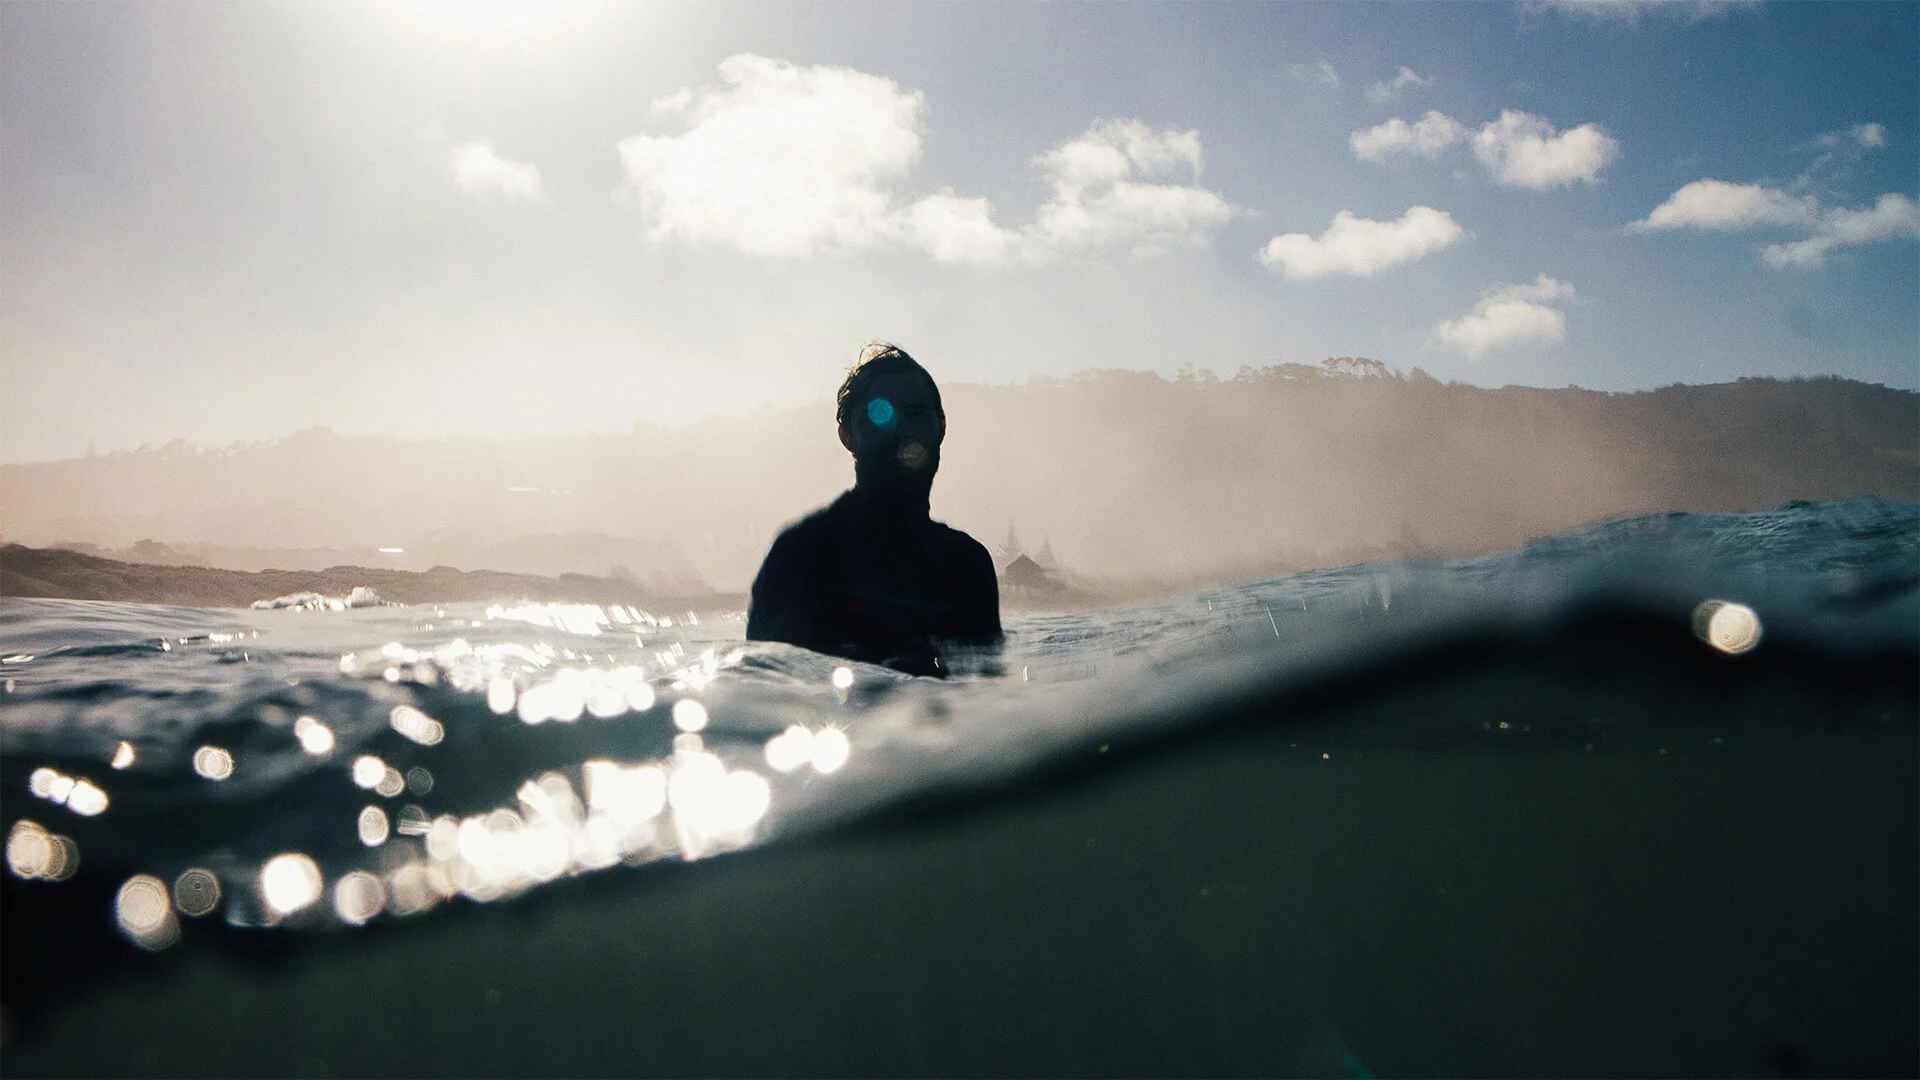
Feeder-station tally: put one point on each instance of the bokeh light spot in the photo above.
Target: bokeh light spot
(66, 858)
(42, 781)
(412, 890)
(359, 896)
(30, 849)
(500, 695)
(744, 800)
(85, 799)
(367, 771)
(1730, 627)
(213, 763)
(315, 737)
(689, 715)
(413, 821)
(290, 882)
(373, 826)
(391, 783)
(694, 778)
(144, 912)
(830, 750)
(640, 695)
(416, 725)
(790, 749)
(443, 837)
(196, 892)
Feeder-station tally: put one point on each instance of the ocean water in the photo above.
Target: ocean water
(1641, 799)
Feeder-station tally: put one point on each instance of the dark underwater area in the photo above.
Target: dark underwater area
(1235, 904)
(1563, 837)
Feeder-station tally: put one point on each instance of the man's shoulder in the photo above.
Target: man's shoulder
(813, 526)
(800, 552)
(962, 543)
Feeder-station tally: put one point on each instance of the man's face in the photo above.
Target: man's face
(898, 426)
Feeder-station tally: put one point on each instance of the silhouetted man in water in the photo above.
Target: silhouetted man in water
(870, 576)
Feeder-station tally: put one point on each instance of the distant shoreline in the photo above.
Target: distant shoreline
(59, 574)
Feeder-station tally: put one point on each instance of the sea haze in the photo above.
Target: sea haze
(1132, 483)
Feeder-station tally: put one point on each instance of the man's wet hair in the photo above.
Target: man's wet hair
(877, 359)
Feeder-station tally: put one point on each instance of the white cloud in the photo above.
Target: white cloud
(1518, 150)
(1109, 195)
(1716, 204)
(1111, 150)
(1102, 197)
(1317, 72)
(1894, 216)
(1850, 141)
(1382, 92)
(1629, 12)
(675, 102)
(789, 161)
(956, 229)
(1359, 247)
(1854, 138)
(1523, 150)
(781, 160)
(1509, 315)
(1428, 136)
(480, 171)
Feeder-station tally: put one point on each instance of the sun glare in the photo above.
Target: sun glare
(492, 18)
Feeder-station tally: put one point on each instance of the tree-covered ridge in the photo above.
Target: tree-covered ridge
(1125, 474)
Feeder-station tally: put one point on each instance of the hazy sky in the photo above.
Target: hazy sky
(231, 221)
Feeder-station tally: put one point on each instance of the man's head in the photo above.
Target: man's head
(890, 415)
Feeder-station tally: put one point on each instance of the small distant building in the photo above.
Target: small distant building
(1023, 572)
(1045, 558)
(1006, 550)
(1030, 578)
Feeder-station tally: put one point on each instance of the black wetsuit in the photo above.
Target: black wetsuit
(873, 580)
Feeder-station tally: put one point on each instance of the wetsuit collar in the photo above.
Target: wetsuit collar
(889, 497)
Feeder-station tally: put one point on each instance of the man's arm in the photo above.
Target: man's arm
(979, 621)
(781, 607)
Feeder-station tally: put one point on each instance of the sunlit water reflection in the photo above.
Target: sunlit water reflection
(314, 767)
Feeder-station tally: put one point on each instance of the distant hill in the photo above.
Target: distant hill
(72, 575)
(1129, 476)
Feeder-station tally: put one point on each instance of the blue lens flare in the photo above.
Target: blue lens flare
(880, 411)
